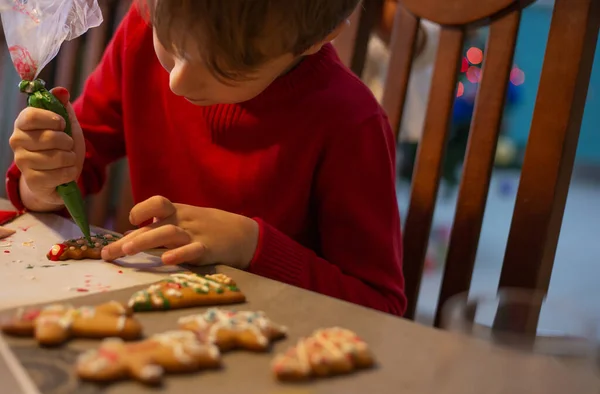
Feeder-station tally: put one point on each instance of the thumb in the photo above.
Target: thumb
(62, 95)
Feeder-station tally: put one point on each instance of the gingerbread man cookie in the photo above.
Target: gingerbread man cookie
(231, 330)
(147, 361)
(55, 324)
(184, 290)
(80, 248)
(331, 351)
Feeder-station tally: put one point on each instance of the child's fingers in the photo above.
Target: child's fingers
(169, 236)
(154, 207)
(49, 179)
(31, 119)
(62, 94)
(41, 140)
(115, 250)
(185, 254)
(48, 160)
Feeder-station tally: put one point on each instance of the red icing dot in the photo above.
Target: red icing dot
(31, 315)
(55, 255)
(120, 271)
(7, 251)
(109, 355)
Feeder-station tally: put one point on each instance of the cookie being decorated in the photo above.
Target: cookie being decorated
(234, 330)
(55, 324)
(80, 248)
(327, 352)
(185, 290)
(147, 361)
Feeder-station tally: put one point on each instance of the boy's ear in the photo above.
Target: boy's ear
(332, 36)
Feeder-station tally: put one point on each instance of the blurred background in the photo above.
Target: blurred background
(577, 266)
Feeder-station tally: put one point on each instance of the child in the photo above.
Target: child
(256, 148)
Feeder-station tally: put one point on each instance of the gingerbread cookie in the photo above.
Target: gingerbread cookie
(55, 324)
(331, 351)
(232, 330)
(80, 248)
(148, 360)
(184, 290)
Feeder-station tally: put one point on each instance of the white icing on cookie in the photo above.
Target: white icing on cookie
(121, 323)
(325, 346)
(151, 372)
(56, 250)
(215, 320)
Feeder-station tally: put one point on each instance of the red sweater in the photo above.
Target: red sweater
(312, 159)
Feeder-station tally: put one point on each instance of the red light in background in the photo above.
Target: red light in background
(475, 55)
(464, 66)
(517, 76)
(474, 74)
(460, 90)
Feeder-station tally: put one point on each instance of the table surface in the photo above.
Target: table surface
(29, 277)
(411, 358)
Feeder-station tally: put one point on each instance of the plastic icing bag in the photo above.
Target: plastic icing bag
(35, 29)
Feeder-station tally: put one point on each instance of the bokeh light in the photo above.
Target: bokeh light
(475, 55)
(474, 74)
(517, 76)
(464, 66)
(460, 90)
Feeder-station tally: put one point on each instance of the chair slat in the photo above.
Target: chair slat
(345, 42)
(67, 64)
(97, 39)
(402, 48)
(552, 144)
(479, 161)
(429, 160)
(369, 16)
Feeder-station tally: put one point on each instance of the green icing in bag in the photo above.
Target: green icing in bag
(40, 97)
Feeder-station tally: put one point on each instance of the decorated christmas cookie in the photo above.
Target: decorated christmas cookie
(148, 360)
(232, 330)
(186, 290)
(55, 324)
(80, 248)
(331, 351)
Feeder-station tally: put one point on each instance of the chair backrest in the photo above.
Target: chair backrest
(551, 147)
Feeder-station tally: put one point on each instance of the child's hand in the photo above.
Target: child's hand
(193, 235)
(46, 156)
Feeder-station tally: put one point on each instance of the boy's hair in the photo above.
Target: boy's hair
(235, 37)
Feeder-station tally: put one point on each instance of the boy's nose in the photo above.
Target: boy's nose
(182, 81)
(176, 81)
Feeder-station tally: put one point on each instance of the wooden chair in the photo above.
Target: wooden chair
(550, 151)
(370, 17)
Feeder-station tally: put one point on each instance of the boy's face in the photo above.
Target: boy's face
(190, 79)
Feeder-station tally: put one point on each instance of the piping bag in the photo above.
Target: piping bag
(34, 31)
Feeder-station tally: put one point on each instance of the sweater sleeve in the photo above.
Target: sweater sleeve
(360, 260)
(98, 110)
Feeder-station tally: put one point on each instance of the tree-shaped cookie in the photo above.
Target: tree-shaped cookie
(231, 330)
(330, 351)
(184, 290)
(55, 324)
(147, 361)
